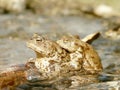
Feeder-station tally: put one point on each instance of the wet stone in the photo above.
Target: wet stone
(24, 87)
(14, 50)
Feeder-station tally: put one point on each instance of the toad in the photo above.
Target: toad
(82, 55)
(67, 57)
(51, 59)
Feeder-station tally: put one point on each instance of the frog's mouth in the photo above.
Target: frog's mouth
(33, 46)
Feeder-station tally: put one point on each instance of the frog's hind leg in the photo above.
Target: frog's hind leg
(90, 38)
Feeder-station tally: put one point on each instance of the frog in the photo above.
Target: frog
(50, 57)
(82, 54)
(65, 58)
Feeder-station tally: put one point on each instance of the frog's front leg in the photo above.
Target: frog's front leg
(30, 63)
(38, 55)
(33, 74)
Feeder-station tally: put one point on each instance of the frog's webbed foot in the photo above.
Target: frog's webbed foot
(90, 38)
(32, 74)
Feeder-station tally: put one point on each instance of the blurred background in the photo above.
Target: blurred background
(20, 19)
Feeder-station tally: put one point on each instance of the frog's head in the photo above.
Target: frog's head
(35, 42)
(40, 45)
(70, 43)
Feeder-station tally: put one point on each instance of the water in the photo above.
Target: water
(16, 30)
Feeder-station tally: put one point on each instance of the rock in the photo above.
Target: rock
(105, 11)
(55, 7)
(14, 6)
(113, 34)
(113, 85)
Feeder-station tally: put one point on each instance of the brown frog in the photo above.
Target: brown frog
(67, 57)
(50, 57)
(82, 55)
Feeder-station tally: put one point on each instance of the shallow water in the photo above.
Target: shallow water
(15, 30)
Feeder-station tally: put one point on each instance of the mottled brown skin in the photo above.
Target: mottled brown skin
(90, 60)
(43, 47)
(79, 54)
(50, 56)
(68, 56)
(68, 59)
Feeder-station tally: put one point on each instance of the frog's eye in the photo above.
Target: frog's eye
(38, 40)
